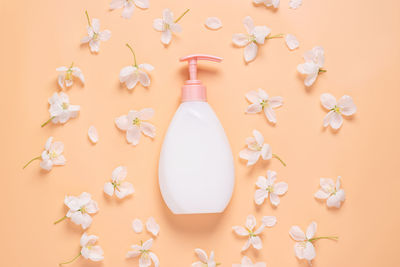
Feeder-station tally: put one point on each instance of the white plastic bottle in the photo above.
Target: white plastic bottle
(196, 171)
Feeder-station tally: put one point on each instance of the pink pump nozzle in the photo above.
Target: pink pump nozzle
(193, 89)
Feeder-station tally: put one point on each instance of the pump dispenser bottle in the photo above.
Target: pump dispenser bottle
(196, 171)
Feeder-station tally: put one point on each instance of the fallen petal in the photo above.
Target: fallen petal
(213, 23)
(291, 41)
(137, 226)
(93, 134)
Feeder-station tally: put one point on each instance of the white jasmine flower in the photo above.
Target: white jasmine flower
(131, 75)
(93, 134)
(268, 221)
(315, 60)
(267, 3)
(253, 238)
(52, 155)
(60, 109)
(260, 101)
(94, 34)
(66, 77)
(128, 6)
(294, 4)
(267, 186)
(167, 25)
(256, 148)
(146, 256)
(205, 261)
(134, 123)
(332, 193)
(345, 106)
(291, 41)
(79, 209)
(88, 249)
(304, 248)
(117, 184)
(152, 226)
(246, 262)
(213, 23)
(137, 226)
(255, 36)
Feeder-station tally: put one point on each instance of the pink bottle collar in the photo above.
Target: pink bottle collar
(193, 89)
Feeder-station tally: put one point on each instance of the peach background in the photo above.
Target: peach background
(361, 40)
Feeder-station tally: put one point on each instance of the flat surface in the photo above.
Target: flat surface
(361, 40)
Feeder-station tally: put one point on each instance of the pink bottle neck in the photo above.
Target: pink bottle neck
(194, 90)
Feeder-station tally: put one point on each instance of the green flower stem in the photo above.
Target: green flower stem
(181, 16)
(29, 162)
(278, 158)
(323, 237)
(133, 52)
(88, 19)
(321, 70)
(60, 220)
(72, 64)
(274, 36)
(77, 256)
(46, 122)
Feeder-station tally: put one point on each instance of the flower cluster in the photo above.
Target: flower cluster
(204, 260)
(167, 25)
(118, 185)
(304, 248)
(88, 249)
(135, 123)
(52, 155)
(146, 256)
(253, 239)
(128, 6)
(256, 148)
(315, 60)
(95, 35)
(81, 208)
(260, 101)
(67, 75)
(255, 36)
(268, 186)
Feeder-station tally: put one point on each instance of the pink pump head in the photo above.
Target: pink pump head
(193, 89)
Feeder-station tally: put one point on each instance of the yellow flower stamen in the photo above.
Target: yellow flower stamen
(336, 109)
(52, 154)
(264, 104)
(65, 105)
(136, 122)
